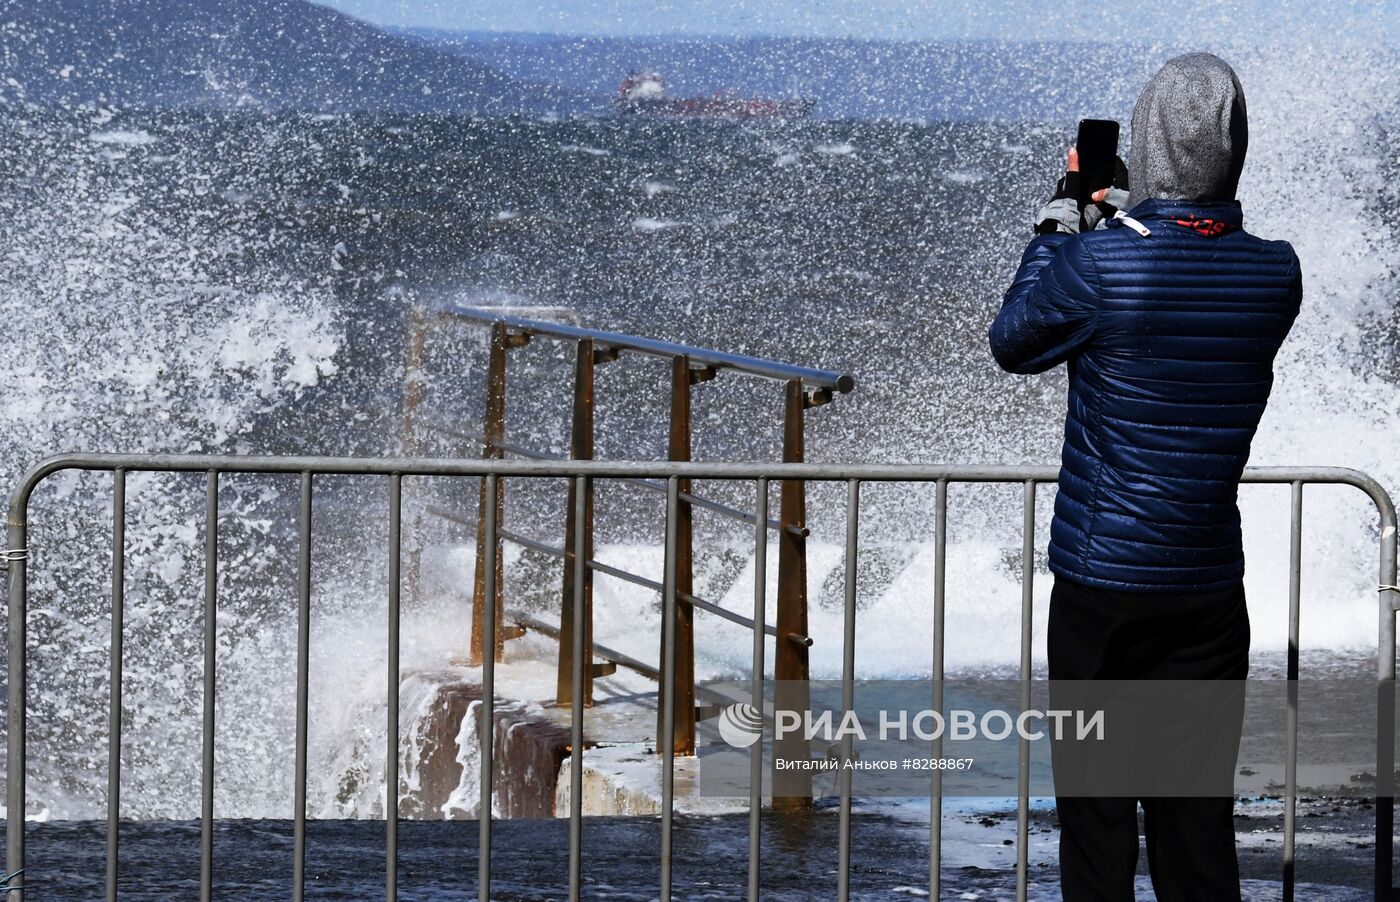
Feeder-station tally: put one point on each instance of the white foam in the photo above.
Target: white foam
(963, 176)
(585, 149)
(654, 224)
(124, 138)
(127, 333)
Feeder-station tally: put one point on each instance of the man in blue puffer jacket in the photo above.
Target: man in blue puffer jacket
(1168, 317)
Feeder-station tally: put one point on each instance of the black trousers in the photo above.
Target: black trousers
(1097, 634)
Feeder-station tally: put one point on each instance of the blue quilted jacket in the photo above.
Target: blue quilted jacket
(1170, 340)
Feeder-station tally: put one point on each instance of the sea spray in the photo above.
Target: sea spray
(192, 283)
(136, 323)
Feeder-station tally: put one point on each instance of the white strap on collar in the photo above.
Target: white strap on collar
(1132, 223)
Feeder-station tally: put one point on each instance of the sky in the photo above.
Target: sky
(1147, 21)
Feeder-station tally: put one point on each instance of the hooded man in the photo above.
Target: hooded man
(1168, 317)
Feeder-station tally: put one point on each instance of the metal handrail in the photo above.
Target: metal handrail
(635, 579)
(529, 622)
(617, 341)
(732, 513)
(803, 387)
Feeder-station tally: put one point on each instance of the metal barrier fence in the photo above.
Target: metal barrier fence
(579, 475)
(804, 388)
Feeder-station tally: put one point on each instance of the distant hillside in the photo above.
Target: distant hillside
(862, 79)
(224, 54)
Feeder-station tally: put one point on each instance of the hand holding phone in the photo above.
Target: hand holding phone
(1096, 148)
(1090, 170)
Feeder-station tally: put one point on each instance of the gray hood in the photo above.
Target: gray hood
(1190, 132)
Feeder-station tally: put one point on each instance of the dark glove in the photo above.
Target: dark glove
(1062, 213)
(1098, 214)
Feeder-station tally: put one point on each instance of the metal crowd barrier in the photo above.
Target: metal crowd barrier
(580, 475)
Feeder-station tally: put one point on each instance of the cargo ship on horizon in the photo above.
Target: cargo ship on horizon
(644, 94)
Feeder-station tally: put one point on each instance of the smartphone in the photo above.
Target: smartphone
(1098, 149)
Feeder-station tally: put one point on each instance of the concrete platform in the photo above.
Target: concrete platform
(621, 773)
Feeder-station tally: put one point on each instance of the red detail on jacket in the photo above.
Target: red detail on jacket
(1211, 228)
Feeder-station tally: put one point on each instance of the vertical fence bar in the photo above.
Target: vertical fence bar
(848, 688)
(1023, 762)
(760, 617)
(679, 450)
(1385, 710)
(391, 752)
(1290, 778)
(303, 688)
(16, 715)
(114, 710)
(495, 429)
(211, 634)
(667, 739)
(488, 699)
(940, 563)
(580, 563)
(792, 789)
(581, 448)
